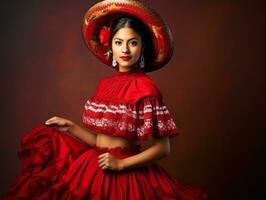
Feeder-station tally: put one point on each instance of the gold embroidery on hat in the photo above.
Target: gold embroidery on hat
(101, 13)
(114, 7)
(86, 22)
(160, 56)
(93, 44)
(157, 30)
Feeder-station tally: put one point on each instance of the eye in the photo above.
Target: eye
(134, 43)
(118, 43)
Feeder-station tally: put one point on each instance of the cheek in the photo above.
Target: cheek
(115, 51)
(136, 52)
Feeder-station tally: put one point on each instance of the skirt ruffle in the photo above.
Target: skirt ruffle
(55, 166)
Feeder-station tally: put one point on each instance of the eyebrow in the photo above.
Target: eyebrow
(129, 39)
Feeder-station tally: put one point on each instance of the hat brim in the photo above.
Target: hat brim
(104, 12)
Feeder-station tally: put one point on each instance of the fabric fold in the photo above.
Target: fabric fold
(45, 154)
(81, 178)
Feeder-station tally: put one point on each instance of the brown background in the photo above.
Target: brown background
(213, 86)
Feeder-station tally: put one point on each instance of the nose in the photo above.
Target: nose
(125, 48)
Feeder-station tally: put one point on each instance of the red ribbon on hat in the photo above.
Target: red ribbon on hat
(105, 36)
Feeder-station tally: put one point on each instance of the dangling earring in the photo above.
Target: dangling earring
(142, 64)
(114, 62)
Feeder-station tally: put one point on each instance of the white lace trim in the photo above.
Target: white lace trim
(122, 109)
(168, 125)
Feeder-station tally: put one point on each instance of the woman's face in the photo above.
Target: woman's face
(126, 47)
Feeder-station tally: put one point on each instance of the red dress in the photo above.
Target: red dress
(58, 166)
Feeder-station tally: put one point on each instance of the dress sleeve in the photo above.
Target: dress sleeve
(153, 118)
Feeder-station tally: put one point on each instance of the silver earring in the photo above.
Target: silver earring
(114, 62)
(142, 64)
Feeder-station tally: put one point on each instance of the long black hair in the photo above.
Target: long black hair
(139, 27)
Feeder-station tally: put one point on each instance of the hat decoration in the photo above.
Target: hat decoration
(104, 36)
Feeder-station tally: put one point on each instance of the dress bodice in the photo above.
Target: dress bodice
(129, 105)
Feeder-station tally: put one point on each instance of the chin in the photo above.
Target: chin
(127, 65)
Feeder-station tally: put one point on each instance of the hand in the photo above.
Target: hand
(60, 123)
(108, 161)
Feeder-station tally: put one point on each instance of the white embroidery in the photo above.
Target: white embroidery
(160, 110)
(122, 109)
(162, 126)
(124, 126)
(103, 122)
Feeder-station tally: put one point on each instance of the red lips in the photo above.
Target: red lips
(125, 58)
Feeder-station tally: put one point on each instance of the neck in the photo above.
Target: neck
(129, 71)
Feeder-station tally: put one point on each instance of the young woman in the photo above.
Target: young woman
(126, 110)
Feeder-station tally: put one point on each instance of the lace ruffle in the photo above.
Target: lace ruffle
(149, 116)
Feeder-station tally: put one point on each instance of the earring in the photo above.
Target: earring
(114, 62)
(142, 64)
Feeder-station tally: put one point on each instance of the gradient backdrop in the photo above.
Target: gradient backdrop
(213, 86)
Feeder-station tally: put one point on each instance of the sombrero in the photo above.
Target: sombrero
(100, 16)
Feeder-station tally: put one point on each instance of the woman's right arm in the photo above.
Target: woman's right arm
(75, 130)
(84, 135)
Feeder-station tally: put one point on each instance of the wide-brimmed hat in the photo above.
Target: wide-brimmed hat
(99, 17)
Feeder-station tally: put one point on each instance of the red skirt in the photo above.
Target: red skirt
(56, 166)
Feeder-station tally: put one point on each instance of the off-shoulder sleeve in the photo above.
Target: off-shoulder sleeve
(153, 118)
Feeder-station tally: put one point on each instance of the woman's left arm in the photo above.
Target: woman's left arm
(159, 149)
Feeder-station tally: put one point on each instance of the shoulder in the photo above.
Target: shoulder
(147, 86)
(103, 82)
(104, 79)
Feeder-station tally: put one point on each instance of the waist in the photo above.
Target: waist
(106, 141)
(118, 152)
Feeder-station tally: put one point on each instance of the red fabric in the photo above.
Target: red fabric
(127, 87)
(59, 167)
(45, 154)
(129, 105)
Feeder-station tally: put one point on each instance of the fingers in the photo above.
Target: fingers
(104, 165)
(51, 120)
(104, 160)
(103, 157)
(108, 161)
(55, 120)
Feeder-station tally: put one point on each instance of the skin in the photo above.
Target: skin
(125, 42)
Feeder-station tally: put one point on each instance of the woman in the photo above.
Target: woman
(127, 109)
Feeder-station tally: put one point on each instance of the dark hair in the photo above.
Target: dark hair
(139, 28)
